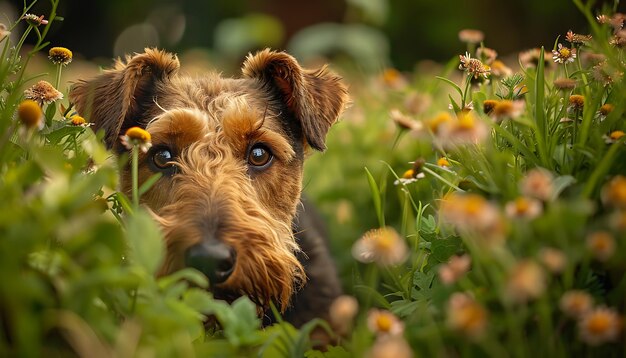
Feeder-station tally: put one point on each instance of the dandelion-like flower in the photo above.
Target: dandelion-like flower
(526, 282)
(471, 36)
(342, 312)
(613, 137)
(576, 102)
(466, 316)
(43, 92)
(391, 347)
(577, 39)
(601, 244)
(523, 208)
(598, 326)
(604, 111)
(436, 123)
(136, 136)
(412, 175)
(30, 114)
(454, 269)
(34, 20)
(614, 192)
(60, 56)
(384, 323)
(564, 84)
(507, 109)
(576, 303)
(473, 214)
(405, 122)
(443, 162)
(538, 183)
(564, 54)
(499, 69)
(383, 246)
(554, 260)
(466, 129)
(473, 66)
(79, 121)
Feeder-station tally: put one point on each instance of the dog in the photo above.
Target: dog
(231, 154)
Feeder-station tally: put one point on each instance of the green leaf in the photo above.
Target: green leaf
(442, 249)
(404, 308)
(376, 198)
(144, 240)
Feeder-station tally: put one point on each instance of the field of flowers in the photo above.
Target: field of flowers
(475, 208)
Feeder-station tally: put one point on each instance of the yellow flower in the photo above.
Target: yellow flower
(60, 55)
(606, 109)
(489, 105)
(576, 102)
(474, 215)
(77, 120)
(383, 246)
(601, 244)
(614, 192)
(30, 114)
(526, 282)
(564, 54)
(342, 312)
(466, 316)
(443, 162)
(599, 326)
(384, 323)
(499, 69)
(136, 136)
(576, 303)
(438, 121)
(466, 130)
(43, 93)
(613, 137)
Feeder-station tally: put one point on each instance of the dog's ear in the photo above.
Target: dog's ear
(116, 99)
(315, 97)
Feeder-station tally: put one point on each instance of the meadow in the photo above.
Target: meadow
(475, 208)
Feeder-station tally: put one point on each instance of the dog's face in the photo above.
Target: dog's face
(230, 152)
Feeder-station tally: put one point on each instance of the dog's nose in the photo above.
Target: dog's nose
(213, 258)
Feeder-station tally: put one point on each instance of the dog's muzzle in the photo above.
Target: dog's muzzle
(213, 258)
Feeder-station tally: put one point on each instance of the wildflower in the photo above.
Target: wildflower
(564, 84)
(603, 19)
(601, 244)
(614, 192)
(466, 316)
(507, 109)
(416, 103)
(409, 176)
(384, 323)
(435, 124)
(30, 114)
(136, 136)
(77, 120)
(604, 111)
(523, 208)
(454, 269)
(599, 326)
(471, 213)
(342, 312)
(471, 36)
(486, 54)
(60, 56)
(553, 259)
(393, 78)
(43, 93)
(530, 58)
(405, 122)
(499, 69)
(613, 137)
(563, 54)
(467, 129)
(619, 39)
(576, 303)
(577, 39)
(34, 20)
(3, 32)
(473, 66)
(391, 347)
(605, 74)
(576, 102)
(383, 246)
(489, 105)
(443, 162)
(538, 183)
(526, 282)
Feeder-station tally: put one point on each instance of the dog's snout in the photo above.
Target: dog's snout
(213, 258)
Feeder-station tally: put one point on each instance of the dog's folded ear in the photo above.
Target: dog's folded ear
(116, 99)
(316, 98)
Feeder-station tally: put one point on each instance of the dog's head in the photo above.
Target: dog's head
(230, 152)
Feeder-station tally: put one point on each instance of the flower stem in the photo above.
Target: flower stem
(57, 82)
(135, 173)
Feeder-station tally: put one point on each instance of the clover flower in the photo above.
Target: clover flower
(473, 66)
(136, 136)
(576, 303)
(454, 269)
(466, 316)
(601, 244)
(384, 323)
(564, 54)
(523, 208)
(554, 260)
(614, 192)
(599, 326)
(30, 114)
(526, 281)
(60, 56)
(34, 20)
(538, 183)
(383, 246)
(43, 93)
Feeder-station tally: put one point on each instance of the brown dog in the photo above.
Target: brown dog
(231, 153)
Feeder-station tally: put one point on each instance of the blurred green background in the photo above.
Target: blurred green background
(369, 33)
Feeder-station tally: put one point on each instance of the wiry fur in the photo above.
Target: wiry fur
(209, 123)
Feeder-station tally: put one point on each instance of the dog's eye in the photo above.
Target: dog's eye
(161, 159)
(259, 156)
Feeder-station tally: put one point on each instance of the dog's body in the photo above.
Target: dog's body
(230, 152)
